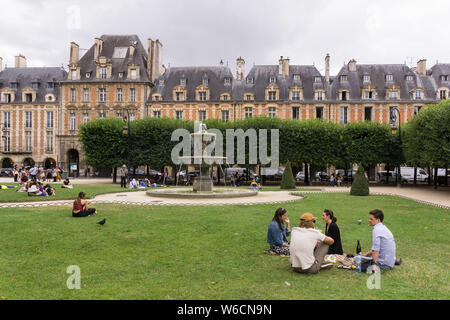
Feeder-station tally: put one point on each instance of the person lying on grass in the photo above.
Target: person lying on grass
(309, 246)
(3, 187)
(81, 207)
(277, 233)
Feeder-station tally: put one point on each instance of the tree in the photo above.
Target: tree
(360, 185)
(287, 180)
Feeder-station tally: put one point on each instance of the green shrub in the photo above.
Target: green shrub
(287, 180)
(360, 185)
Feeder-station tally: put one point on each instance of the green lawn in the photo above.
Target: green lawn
(155, 252)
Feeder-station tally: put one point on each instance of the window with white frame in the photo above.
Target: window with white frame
(409, 78)
(443, 94)
(366, 78)
(49, 119)
(202, 115)
(102, 94)
(343, 115)
(86, 94)
(73, 95)
(6, 119)
(272, 95)
(296, 95)
(103, 73)
(227, 81)
(393, 95)
(102, 114)
(272, 112)
(28, 119)
(72, 121)
(49, 141)
(205, 81)
(249, 80)
(368, 95)
(132, 94)
(179, 96)
(7, 141)
(85, 117)
(225, 115)
(344, 77)
(418, 95)
(248, 112)
(119, 95)
(367, 113)
(202, 95)
(317, 79)
(179, 114)
(248, 97)
(295, 112)
(272, 80)
(296, 77)
(74, 74)
(157, 114)
(389, 77)
(133, 74)
(132, 116)
(183, 82)
(319, 95)
(444, 77)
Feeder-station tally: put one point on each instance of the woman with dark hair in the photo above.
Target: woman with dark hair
(277, 233)
(80, 207)
(332, 231)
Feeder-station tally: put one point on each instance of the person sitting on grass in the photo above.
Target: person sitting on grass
(142, 184)
(41, 189)
(309, 247)
(255, 185)
(50, 190)
(24, 187)
(332, 230)
(383, 243)
(66, 184)
(134, 184)
(81, 207)
(33, 190)
(277, 233)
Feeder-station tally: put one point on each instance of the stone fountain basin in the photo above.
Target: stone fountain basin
(183, 193)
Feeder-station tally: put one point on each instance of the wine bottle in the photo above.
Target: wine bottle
(358, 248)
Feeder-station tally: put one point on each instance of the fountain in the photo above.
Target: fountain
(202, 186)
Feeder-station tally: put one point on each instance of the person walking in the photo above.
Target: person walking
(122, 173)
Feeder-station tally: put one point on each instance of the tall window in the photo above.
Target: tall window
(74, 74)
(102, 73)
(272, 95)
(73, 95)
(49, 141)
(248, 112)
(132, 116)
(28, 119)
(367, 95)
(119, 95)
(7, 145)
(344, 95)
(417, 109)
(225, 115)
(393, 95)
(368, 113)
(179, 115)
(72, 121)
(443, 94)
(132, 94)
(50, 119)
(272, 112)
(85, 117)
(202, 95)
(296, 95)
(102, 114)
(179, 96)
(157, 114)
(102, 94)
(133, 74)
(85, 94)
(319, 95)
(202, 115)
(295, 112)
(418, 95)
(343, 115)
(319, 112)
(7, 119)
(248, 97)
(28, 141)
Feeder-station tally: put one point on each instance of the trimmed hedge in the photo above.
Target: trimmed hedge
(287, 180)
(360, 185)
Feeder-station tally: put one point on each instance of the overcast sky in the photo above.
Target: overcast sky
(202, 32)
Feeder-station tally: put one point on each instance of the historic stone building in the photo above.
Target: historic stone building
(43, 108)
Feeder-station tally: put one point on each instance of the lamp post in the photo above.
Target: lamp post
(126, 131)
(394, 127)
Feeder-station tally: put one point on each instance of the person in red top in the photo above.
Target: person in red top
(80, 207)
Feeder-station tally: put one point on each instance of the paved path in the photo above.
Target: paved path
(439, 198)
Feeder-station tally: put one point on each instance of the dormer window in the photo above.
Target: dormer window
(409, 78)
(368, 95)
(366, 78)
(50, 85)
(343, 78)
(227, 81)
(418, 94)
(389, 77)
(205, 81)
(248, 97)
(161, 82)
(133, 74)
(13, 85)
(393, 95)
(74, 74)
(121, 75)
(34, 85)
(249, 80)
(444, 77)
(296, 77)
(103, 73)
(88, 75)
(182, 82)
(317, 79)
(179, 96)
(272, 79)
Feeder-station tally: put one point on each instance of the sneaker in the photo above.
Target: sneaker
(398, 261)
(326, 266)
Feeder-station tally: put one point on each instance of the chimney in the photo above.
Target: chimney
(97, 47)
(240, 68)
(74, 53)
(327, 68)
(422, 67)
(132, 48)
(352, 65)
(20, 61)
(1, 64)
(283, 67)
(154, 63)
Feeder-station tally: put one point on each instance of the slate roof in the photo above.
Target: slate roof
(194, 77)
(140, 56)
(437, 71)
(25, 76)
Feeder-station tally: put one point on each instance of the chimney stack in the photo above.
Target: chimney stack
(422, 67)
(20, 61)
(283, 67)
(352, 65)
(1, 64)
(154, 63)
(327, 68)
(132, 48)
(74, 53)
(240, 68)
(97, 47)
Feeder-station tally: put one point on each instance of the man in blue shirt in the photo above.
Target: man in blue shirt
(383, 243)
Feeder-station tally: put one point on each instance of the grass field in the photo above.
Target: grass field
(152, 252)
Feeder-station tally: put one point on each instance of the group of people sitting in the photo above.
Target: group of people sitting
(309, 246)
(35, 188)
(142, 184)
